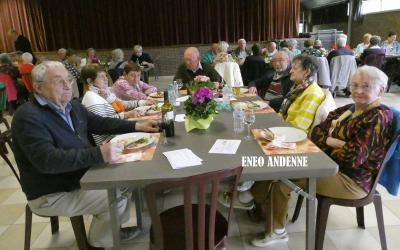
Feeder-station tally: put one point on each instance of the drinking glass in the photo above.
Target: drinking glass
(249, 119)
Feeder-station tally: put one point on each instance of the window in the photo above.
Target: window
(373, 6)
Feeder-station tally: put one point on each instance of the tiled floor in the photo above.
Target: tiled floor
(342, 232)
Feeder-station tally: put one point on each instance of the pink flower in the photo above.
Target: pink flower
(202, 95)
(201, 78)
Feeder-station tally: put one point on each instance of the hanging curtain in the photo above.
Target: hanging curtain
(25, 17)
(105, 24)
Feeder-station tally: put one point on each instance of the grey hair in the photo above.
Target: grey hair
(317, 42)
(377, 77)
(27, 57)
(341, 42)
(62, 50)
(5, 58)
(241, 40)
(117, 55)
(223, 46)
(40, 70)
(138, 46)
(291, 42)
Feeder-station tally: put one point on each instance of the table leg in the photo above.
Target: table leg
(310, 217)
(114, 217)
(139, 208)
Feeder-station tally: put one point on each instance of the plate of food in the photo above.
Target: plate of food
(158, 94)
(154, 109)
(134, 141)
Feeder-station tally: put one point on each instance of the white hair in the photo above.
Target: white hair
(241, 40)
(343, 36)
(117, 55)
(62, 50)
(291, 42)
(223, 46)
(318, 42)
(40, 70)
(341, 42)
(137, 47)
(376, 76)
(27, 57)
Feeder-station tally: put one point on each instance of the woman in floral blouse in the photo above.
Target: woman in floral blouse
(356, 136)
(130, 87)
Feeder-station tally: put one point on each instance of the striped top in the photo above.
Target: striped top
(98, 105)
(302, 111)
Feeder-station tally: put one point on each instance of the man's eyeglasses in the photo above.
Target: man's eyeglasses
(61, 82)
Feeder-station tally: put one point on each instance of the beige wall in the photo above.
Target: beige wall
(376, 24)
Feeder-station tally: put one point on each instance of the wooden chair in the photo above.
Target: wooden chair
(324, 204)
(76, 221)
(190, 226)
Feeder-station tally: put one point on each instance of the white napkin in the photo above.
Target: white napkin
(182, 98)
(182, 158)
(222, 146)
(180, 118)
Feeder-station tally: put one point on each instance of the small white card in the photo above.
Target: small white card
(222, 146)
(180, 118)
(182, 158)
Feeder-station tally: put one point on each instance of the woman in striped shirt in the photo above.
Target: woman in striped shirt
(100, 100)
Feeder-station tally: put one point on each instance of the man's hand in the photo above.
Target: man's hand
(111, 151)
(147, 126)
(335, 143)
(253, 90)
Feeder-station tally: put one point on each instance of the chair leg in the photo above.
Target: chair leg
(78, 226)
(360, 217)
(298, 208)
(28, 227)
(322, 219)
(379, 218)
(54, 224)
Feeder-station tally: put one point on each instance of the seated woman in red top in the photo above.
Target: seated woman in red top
(25, 69)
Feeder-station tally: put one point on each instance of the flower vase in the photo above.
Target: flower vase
(191, 123)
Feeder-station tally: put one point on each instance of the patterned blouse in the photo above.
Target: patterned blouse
(367, 138)
(124, 91)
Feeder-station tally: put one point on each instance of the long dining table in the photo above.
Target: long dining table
(141, 173)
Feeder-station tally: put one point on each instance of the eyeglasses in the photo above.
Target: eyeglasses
(360, 87)
(61, 81)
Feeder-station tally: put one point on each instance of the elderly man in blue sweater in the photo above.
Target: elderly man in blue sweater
(52, 147)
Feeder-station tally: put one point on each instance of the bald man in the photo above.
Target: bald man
(192, 67)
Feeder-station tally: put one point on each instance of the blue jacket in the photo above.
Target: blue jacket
(390, 177)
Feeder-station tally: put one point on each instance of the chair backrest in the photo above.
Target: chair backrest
(5, 138)
(230, 72)
(342, 68)
(324, 108)
(189, 184)
(323, 74)
(376, 60)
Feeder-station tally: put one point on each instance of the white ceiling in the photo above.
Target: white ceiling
(312, 4)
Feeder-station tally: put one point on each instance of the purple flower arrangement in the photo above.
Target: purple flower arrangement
(201, 104)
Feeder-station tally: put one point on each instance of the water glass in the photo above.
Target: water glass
(249, 119)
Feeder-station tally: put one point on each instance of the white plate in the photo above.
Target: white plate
(148, 110)
(132, 137)
(290, 134)
(245, 105)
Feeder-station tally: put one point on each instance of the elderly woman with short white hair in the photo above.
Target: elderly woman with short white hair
(356, 136)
